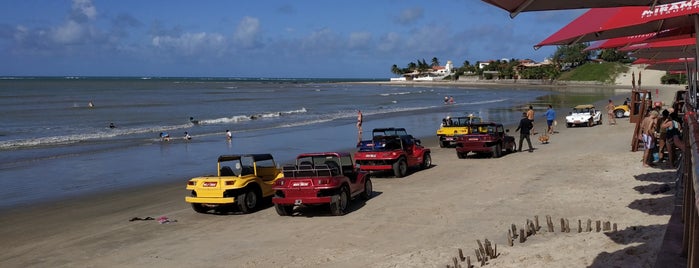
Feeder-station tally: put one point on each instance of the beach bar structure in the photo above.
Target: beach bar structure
(686, 218)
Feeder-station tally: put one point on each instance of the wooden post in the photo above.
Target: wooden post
(597, 225)
(549, 222)
(509, 238)
(526, 228)
(579, 226)
(614, 227)
(456, 263)
(606, 226)
(563, 225)
(461, 255)
(514, 231)
(480, 248)
(567, 226)
(533, 228)
(536, 222)
(522, 237)
(468, 261)
(589, 225)
(488, 249)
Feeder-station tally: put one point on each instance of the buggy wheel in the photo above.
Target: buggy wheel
(461, 155)
(497, 151)
(619, 113)
(284, 210)
(247, 202)
(426, 161)
(442, 144)
(590, 123)
(569, 124)
(368, 189)
(510, 148)
(199, 208)
(340, 207)
(400, 168)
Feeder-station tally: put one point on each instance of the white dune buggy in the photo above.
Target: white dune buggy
(585, 115)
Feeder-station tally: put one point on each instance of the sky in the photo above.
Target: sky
(271, 39)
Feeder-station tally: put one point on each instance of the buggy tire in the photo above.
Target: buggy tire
(426, 161)
(199, 208)
(339, 208)
(400, 168)
(619, 113)
(511, 147)
(368, 189)
(497, 150)
(284, 210)
(248, 201)
(442, 144)
(461, 155)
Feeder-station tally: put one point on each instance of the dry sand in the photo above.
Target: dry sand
(417, 221)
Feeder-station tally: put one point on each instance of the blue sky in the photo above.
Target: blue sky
(226, 38)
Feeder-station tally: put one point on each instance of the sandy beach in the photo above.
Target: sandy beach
(421, 220)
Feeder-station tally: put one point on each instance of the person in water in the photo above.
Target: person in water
(229, 135)
(186, 136)
(191, 119)
(111, 125)
(164, 136)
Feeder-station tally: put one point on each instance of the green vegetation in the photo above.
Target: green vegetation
(604, 72)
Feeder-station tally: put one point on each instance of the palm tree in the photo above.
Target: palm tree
(396, 70)
(435, 62)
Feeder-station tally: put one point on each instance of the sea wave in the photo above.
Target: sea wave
(246, 117)
(84, 137)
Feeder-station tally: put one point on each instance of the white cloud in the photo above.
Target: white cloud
(390, 42)
(359, 40)
(69, 32)
(78, 26)
(247, 32)
(191, 43)
(410, 15)
(83, 9)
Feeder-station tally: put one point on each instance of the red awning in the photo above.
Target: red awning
(517, 6)
(607, 23)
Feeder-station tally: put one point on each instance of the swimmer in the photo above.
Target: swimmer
(191, 119)
(186, 136)
(111, 125)
(229, 136)
(164, 136)
(90, 104)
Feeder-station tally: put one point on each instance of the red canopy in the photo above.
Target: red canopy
(677, 65)
(624, 41)
(517, 6)
(607, 23)
(620, 41)
(681, 47)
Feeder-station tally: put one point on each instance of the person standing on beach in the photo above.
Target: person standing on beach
(530, 116)
(610, 113)
(229, 136)
(550, 117)
(648, 130)
(525, 125)
(360, 119)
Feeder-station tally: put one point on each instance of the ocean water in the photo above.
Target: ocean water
(53, 145)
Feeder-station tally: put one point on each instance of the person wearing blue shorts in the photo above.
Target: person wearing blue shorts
(550, 117)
